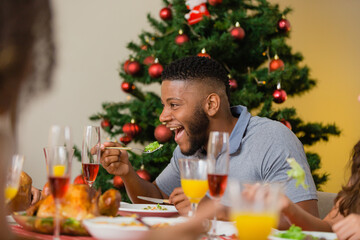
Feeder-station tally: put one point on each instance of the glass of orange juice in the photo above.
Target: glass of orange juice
(194, 182)
(13, 177)
(254, 208)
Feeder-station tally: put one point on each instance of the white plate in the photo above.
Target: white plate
(326, 235)
(109, 228)
(127, 209)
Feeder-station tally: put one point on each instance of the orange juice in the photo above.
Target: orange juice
(10, 193)
(254, 226)
(195, 189)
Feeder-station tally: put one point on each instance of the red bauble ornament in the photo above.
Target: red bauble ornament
(118, 182)
(79, 180)
(125, 139)
(155, 70)
(233, 84)
(131, 129)
(144, 47)
(143, 173)
(203, 53)
(279, 96)
(214, 2)
(127, 87)
(165, 14)
(149, 60)
(181, 38)
(133, 68)
(283, 25)
(286, 123)
(237, 32)
(106, 124)
(162, 133)
(276, 64)
(125, 66)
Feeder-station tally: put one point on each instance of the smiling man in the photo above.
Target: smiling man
(195, 95)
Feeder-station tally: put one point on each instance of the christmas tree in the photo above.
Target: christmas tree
(248, 37)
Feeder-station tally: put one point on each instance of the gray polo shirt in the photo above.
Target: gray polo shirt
(259, 148)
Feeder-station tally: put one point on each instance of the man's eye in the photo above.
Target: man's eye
(173, 105)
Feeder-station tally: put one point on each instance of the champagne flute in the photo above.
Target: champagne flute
(193, 180)
(90, 154)
(254, 205)
(13, 177)
(58, 160)
(218, 168)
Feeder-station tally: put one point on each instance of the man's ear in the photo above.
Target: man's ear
(212, 104)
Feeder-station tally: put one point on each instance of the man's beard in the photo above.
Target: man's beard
(197, 130)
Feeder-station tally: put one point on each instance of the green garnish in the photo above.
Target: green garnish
(158, 207)
(294, 232)
(152, 146)
(296, 172)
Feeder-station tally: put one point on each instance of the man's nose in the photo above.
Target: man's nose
(164, 116)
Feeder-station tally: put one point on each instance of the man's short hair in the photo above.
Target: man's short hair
(201, 69)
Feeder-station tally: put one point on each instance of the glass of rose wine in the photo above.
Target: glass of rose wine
(254, 205)
(13, 177)
(217, 168)
(90, 154)
(58, 159)
(193, 180)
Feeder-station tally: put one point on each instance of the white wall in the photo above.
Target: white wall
(91, 39)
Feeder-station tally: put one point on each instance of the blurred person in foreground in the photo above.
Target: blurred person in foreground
(26, 63)
(196, 98)
(344, 217)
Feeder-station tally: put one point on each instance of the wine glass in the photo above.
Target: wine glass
(13, 177)
(194, 183)
(58, 159)
(218, 168)
(60, 136)
(254, 205)
(90, 154)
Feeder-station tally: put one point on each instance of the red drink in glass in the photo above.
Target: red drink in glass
(90, 171)
(217, 184)
(58, 186)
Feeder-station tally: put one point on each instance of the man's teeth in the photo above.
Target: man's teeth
(174, 128)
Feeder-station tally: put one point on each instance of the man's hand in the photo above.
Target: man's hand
(35, 195)
(115, 161)
(180, 201)
(348, 228)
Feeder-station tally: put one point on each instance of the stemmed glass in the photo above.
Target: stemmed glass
(254, 205)
(218, 168)
(194, 183)
(13, 177)
(90, 154)
(58, 157)
(58, 160)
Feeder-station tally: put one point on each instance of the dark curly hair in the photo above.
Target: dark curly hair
(202, 69)
(349, 196)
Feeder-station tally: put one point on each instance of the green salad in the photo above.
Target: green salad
(157, 207)
(296, 172)
(296, 233)
(152, 146)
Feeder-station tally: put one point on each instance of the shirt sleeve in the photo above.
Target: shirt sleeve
(274, 168)
(169, 178)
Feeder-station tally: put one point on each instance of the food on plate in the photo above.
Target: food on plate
(296, 233)
(296, 172)
(152, 146)
(22, 199)
(80, 202)
(157, 207)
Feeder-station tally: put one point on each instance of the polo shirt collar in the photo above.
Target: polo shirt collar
(238, 132)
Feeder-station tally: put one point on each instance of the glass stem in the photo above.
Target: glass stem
(57, 220)
(192, 210)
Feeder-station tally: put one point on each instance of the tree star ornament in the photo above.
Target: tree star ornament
(296, 172)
